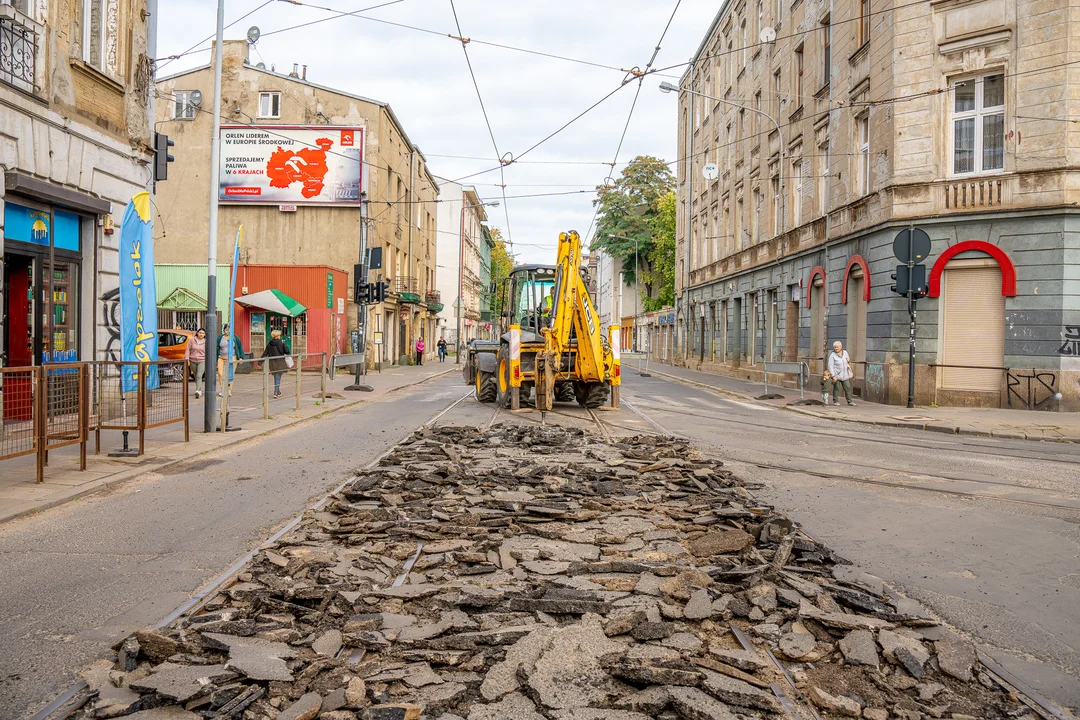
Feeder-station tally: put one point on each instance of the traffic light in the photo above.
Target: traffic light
(913, 278)
(362, 292)
(162, 158)
(380, 288)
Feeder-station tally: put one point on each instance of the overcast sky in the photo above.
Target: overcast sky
(425, 79)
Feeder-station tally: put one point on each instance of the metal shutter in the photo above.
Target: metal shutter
(974, 321)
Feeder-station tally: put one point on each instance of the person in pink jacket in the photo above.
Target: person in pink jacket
(195, 353)
(420, 351)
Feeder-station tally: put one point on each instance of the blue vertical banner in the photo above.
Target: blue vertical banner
(138, 294)
(232, 299)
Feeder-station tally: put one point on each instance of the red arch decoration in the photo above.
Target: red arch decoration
(818, 270)
(1008, 270)
(861, 262)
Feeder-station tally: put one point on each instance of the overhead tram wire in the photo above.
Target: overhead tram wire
(641, 79)
(502, 173)
(340, 13)
(195, 48)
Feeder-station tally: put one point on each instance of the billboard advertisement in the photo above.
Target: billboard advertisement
(293, 165)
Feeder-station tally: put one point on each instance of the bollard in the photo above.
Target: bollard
(266, 389)
(322, 380)
(298, 363)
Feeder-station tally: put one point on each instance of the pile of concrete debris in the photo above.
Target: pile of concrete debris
(533, 573)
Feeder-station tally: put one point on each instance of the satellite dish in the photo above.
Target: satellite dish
(710, 171)
(195, 97)
(261, 66)
(254, 34)
(767, 34)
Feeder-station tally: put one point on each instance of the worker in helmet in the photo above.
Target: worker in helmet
(546, 307)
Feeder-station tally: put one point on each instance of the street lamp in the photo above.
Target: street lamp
(461, 271)
(666, 87)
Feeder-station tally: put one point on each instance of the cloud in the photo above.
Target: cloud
(426, 80)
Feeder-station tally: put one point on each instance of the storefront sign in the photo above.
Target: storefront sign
(138, 293)
(291, 165)
(666, 319)
(330, 290)
(24, 224)
(340, 305)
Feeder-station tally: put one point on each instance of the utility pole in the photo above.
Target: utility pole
(361, 307)
(209, 409)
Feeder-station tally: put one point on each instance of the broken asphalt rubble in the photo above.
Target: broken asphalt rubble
(530, 572)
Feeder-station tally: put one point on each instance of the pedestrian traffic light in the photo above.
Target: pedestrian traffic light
(162, 158)
(380, 288)
(362, 292)
(910, 278)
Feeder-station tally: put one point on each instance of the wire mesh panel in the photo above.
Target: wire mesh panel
(65, 419)
(18, 386)
(111, 407)
(166, 403)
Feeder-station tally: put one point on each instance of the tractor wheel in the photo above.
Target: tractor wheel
(503, 377)
(487, 387)
(591, 395)
(565, 393)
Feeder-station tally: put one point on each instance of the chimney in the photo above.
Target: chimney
(294, 73)
(303, 75)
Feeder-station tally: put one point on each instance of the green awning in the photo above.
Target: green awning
(273, 301)
(408, 298)
(434, 308)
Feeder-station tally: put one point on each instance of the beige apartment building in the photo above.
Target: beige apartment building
(74, 148)
(399, 198)
(833, 126)
(461, 238)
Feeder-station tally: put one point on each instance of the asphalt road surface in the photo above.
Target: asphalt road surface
(985, 531)
(80, 577)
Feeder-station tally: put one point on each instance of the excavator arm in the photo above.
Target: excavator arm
(572, 310)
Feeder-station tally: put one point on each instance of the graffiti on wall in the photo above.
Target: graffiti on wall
(875, 380)
(1031, 389)
(1071, 346)
(110, 318)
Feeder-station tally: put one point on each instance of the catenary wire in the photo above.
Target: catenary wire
(195, 48)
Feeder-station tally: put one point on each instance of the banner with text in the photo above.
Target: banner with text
(138, 294)
(294, 165)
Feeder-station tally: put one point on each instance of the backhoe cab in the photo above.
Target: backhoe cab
(563, 356)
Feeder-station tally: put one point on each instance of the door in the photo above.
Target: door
(723, 331)
(736, 334)
(18, 338)
(755, 301)
(773, 323)
(856, 323)
(973, 318)
(816, 351)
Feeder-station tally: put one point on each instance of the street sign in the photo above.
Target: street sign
(378, 338)
(912, 245)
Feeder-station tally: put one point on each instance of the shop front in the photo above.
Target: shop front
(43, 277)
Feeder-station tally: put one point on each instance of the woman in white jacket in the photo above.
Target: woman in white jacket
(840, 369)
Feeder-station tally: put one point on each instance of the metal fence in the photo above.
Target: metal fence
(253, 388)
(123, 399)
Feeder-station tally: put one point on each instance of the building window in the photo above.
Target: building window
(798, 76)
(864, 22)
(760, 18)
(826, 75)
(755, 216)
(775, 206)
(183, 108)
(978, 124)
(731, 62)
(726, 230)
(269, 105)
(863, 128)
(740, 241)
(745, 47)
(779, 11)
(777, 91)
(754, 116)
(796, 190)
(823, 179)
(95, 29)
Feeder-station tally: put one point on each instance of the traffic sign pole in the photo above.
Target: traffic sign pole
(911, 255)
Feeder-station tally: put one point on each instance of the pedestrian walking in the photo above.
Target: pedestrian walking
(441, 345)
(195, 354)
(420, 350)
(275, 353)
(826, 386)
(223, 353)
(840, 369)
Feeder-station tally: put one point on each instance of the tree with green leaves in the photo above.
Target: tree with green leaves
(502, 262)
(627, 211)
(660, 275)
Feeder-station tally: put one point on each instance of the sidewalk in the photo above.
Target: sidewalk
(165, 446)
(988, 422)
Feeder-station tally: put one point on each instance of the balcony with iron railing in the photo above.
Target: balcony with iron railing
(19, 37)
(406, 283)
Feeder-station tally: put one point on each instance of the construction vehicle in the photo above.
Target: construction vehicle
(563, 356)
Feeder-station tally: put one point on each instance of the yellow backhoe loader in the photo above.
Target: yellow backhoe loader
(563, 355)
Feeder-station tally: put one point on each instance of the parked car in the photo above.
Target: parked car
(171, 346)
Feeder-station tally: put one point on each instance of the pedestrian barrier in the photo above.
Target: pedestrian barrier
(115, 406)
(800, 369)
(252, 386)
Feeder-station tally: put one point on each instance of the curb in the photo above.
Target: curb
(929, 427)
(123, 476)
